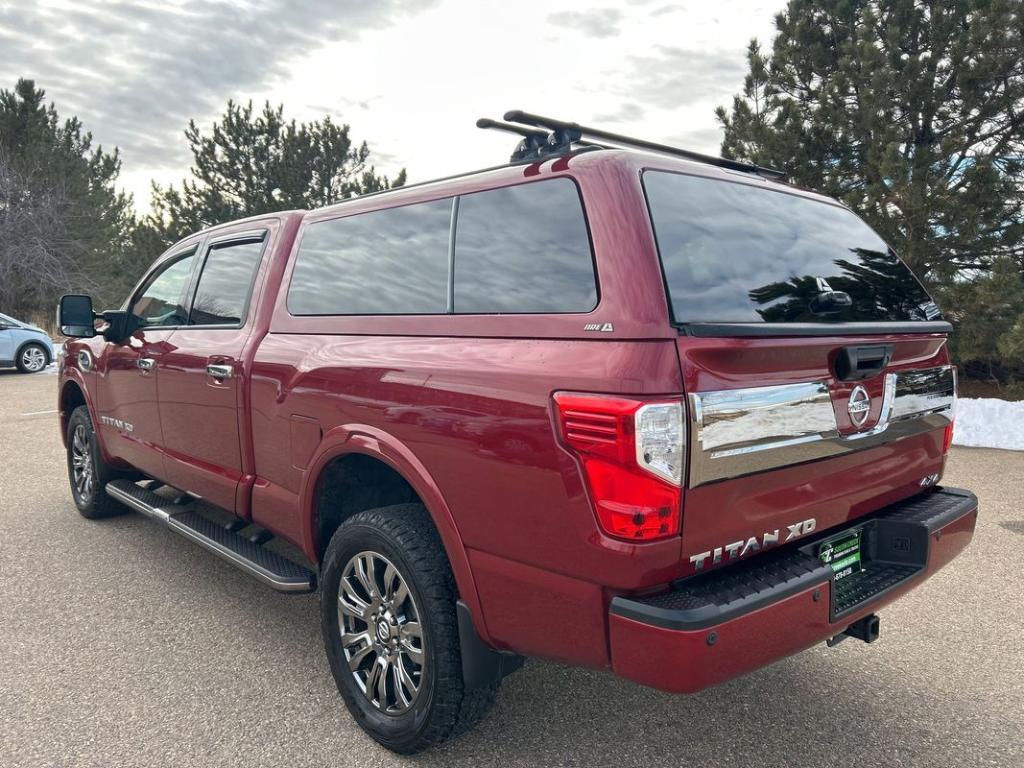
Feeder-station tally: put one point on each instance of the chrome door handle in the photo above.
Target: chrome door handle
(220, 371)
(145, 363)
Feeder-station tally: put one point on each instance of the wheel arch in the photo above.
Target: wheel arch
(74, 393)
(359, 444)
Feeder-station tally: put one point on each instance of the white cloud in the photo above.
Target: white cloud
(596, 22)
(411, 79)
(425, 80)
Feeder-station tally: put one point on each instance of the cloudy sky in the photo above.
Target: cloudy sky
(410, 76)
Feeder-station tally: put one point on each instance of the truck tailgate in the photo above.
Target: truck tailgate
(780, 446)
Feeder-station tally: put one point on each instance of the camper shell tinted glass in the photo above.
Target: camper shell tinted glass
(523, 249)
(735, 253)
(388, 262)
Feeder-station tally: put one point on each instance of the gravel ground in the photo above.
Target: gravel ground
(122, 644)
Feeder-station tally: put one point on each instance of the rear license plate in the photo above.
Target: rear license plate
(842, 553)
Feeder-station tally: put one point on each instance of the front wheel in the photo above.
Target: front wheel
(87, 471)
(387, 608)
(33, 358)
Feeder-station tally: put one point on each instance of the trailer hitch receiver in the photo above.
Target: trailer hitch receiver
(865, 629)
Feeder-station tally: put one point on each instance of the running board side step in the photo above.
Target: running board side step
(274, 570)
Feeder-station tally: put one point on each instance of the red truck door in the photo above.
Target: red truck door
(126, 391)
(201, 376)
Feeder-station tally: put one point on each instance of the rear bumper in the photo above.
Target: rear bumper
(711, 628)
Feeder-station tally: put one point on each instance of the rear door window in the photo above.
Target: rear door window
(222, 296)
(388, 262)
(523, 249)
(736, 253)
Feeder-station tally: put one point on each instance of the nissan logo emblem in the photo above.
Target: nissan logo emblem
(859, 406)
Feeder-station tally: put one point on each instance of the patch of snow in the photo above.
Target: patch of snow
(988, 422)
(58, 346)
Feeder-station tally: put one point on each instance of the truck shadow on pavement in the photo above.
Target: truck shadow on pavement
(257, 655)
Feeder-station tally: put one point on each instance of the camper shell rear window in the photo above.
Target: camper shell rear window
(733, 252)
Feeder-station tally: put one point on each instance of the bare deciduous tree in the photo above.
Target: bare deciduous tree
(37, 250)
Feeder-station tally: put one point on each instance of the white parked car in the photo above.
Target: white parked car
(23, 345)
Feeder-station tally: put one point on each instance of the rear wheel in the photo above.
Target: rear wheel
(87, 472)
(32, 358)
(387, 606)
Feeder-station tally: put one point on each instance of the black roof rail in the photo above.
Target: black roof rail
(565, 129)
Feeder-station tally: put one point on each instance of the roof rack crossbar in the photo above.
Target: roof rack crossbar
(486, 122)
(538, 144)
(539, 121)
(532, 143)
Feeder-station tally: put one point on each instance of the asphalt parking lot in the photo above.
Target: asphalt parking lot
(123, 644)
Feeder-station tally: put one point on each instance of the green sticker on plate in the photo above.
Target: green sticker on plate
(842, 554)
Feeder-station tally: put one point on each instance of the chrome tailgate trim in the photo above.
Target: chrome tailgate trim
(743, 431)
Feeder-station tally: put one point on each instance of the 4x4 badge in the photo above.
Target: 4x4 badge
(859, 406)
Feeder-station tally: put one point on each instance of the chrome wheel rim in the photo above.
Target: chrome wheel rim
(34, 359)
(81, 463)
(381, 634)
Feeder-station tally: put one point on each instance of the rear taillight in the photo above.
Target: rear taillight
(632, 453)
(947, 438)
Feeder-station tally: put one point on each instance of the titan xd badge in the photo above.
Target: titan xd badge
(740, 548)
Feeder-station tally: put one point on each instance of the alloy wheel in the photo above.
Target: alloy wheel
(381, 633)
(81, 463)
(34, 359)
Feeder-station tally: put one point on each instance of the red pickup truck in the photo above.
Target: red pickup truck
(612, 403)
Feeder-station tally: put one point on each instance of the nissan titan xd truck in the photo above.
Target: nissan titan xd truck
(612, 403)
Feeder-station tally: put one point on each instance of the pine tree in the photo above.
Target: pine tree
(60, 213)
(912, 113)
(252, 163)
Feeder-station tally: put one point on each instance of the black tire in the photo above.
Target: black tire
(30, 353)
(404, 537)
(90, 498)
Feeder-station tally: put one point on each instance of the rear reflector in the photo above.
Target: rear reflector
(632, 455)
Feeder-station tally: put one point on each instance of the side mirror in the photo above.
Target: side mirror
(75, 317)
(120, 324)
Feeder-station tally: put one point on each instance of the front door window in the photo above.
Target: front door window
(162, 299)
